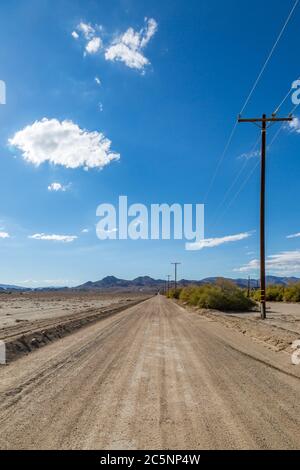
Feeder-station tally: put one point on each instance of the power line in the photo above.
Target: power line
(253, 169)
(284, 100)
(221, 160)
(222, 156)
(238, 191)
(269, 56)
(237, 176)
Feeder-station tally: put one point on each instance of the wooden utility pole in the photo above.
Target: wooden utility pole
(175, 276)
(248, 290)
(264, 120)
(169, 276)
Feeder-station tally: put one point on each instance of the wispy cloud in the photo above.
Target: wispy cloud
(294, 235)
(63, 143)
(53, 237)
(128, 48)
(98, 81)
(58, 187)
(213, 242)
(4, 235)
(85, 230)
(253, 265)
(248, 155)
(285, 263)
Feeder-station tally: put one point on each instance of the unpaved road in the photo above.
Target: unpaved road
(153, 376)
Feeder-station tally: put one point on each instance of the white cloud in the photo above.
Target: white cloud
(58, 187)
(56, 238)
(128, 48)
(63, 143)
(100, 106)
(86, 29)
(120, 52)
(85, 230)
(4, 235)
(148, 31)
(90, 35)
(284, 263)
(294, 235)
(98, 81)
(93, 46)
(252, 265)
(213, 242)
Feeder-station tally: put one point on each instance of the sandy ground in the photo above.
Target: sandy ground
(154, 376)
(278, 331)
(281, 314)
(284, 315)
(29, 306)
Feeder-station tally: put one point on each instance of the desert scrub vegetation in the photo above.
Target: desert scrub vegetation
(276, 293)
(174, 293)
(224, 295)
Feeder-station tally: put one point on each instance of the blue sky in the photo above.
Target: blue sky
(170, 89)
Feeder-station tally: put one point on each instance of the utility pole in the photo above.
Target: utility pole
(168, 276)
(248, 290)
(263, 120)
(175, 277)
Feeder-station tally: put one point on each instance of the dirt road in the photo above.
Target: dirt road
(153, 376)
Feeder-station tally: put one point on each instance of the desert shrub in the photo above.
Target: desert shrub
(224, 295)
(277, 293)
(174, 293)
(190, 295)
(255, 295)
(292, 293)
(274, 293)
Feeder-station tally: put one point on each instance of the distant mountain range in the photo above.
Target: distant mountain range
(113, 282)
(147, 283)
(11, 287)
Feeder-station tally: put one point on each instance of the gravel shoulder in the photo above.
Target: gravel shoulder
(277, 332)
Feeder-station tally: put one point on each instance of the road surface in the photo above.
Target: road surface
(154, 376)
